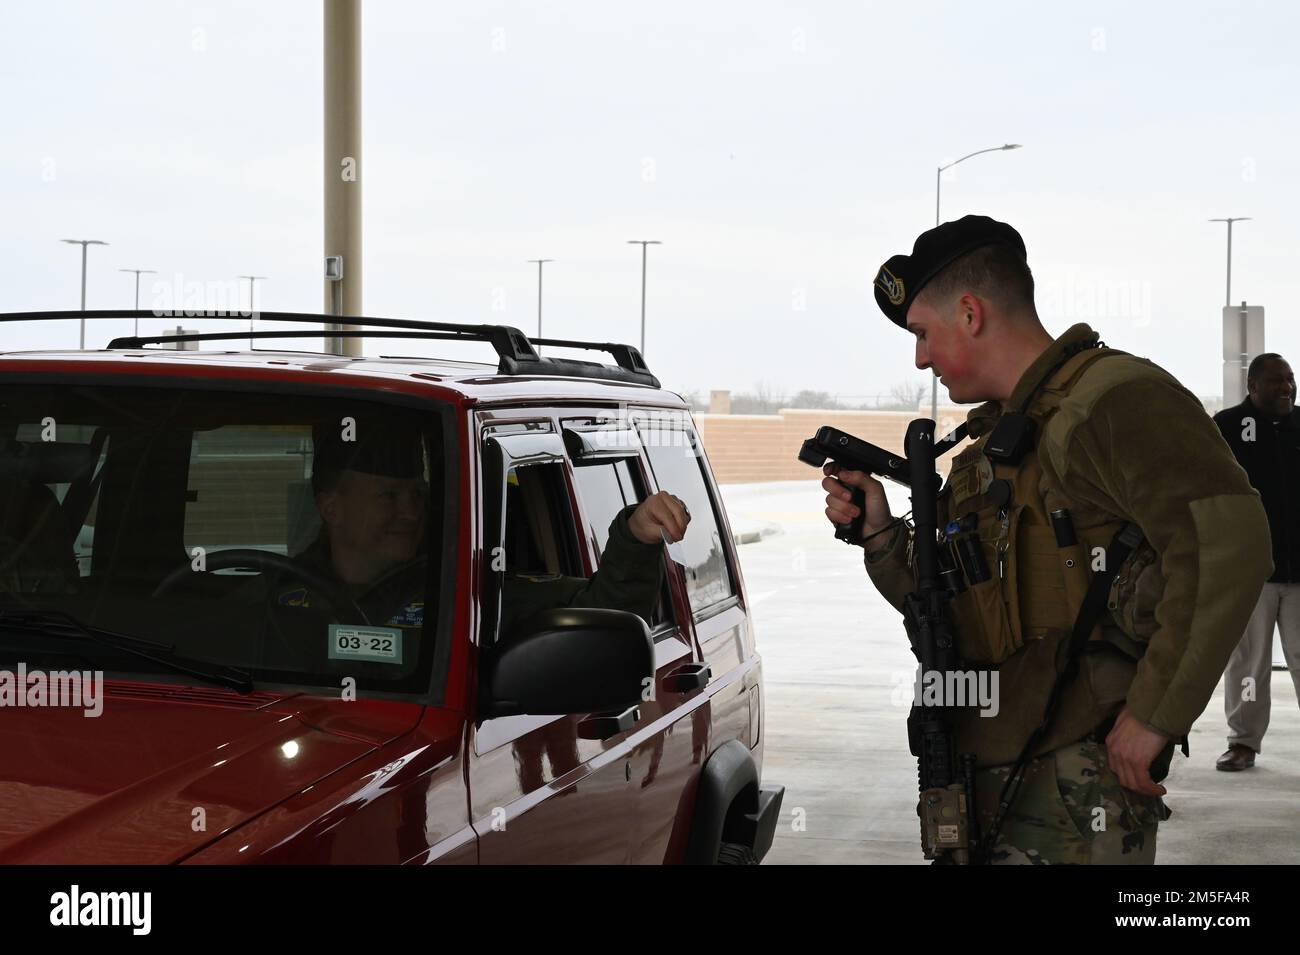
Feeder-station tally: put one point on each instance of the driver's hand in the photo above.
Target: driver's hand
(658, 514)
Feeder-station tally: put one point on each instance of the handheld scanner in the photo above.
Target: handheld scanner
(856, 455)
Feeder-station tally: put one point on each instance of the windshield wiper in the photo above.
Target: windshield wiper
(58, 623)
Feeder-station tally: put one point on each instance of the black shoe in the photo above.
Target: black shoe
(1237, 758)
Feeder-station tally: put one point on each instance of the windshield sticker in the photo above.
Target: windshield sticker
(294, 598)
(376, 644)
(410, 617)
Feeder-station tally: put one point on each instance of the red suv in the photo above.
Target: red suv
(486, 676)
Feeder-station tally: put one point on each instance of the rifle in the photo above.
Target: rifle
(949, 822)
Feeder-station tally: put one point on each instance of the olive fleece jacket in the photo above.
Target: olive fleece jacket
(1132, 442)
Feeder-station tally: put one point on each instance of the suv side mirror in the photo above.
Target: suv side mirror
(569, 660)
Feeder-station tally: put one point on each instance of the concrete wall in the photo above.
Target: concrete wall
(746, 449)
(753, 448)
(240, 501)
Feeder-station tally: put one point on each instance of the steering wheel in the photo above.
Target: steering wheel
(342, 609)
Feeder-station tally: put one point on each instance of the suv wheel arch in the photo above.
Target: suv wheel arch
(731, 807)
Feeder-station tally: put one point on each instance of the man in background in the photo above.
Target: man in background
(1264, 434)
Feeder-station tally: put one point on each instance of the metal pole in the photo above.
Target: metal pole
(644, 254)
(938, 185)
(1230, 220)
(137, 273)
(252, 303)
(644, 243)
(540, 263)
(83, 243)
(83, 293)
(1227, 297)
(1245, 353)
(342, 161)
(934, 381)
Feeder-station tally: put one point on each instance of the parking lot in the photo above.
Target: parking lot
(837, 675)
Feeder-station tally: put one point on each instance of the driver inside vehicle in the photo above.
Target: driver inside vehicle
(372, 498)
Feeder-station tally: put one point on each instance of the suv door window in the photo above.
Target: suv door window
(529, 541)
(678, 468)
(606, 488)
(539, 529)
(534, 562)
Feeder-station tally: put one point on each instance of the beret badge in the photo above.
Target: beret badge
(891, 285)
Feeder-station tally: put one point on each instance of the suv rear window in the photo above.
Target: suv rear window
(297, 539)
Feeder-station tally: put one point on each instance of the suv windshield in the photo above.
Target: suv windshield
(294, 537)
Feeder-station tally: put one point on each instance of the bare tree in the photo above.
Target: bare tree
(904, 396)
(699, 404)
(813, 399)
(763, 400)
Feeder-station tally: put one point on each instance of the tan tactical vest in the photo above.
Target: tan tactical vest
(1035, 588)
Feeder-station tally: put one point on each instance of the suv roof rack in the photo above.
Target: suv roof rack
(515, 352)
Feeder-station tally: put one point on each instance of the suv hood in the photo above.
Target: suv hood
(164, 770)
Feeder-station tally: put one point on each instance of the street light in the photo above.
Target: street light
(643, 243)
(540, 263)
(938, 184)
(1228, 300)
(252, 304)
(83, 243)
(138, 273)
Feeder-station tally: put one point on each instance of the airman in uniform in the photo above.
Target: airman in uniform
(1112, 440)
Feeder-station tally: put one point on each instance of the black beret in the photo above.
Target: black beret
(370, 445)
(901, 278)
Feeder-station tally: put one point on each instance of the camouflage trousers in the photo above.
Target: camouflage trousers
(1070, 810)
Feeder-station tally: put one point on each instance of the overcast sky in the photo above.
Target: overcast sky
(779, 151)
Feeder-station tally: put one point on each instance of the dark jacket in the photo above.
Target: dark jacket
(1272, 462)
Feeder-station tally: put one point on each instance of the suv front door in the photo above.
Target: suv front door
(539, 791)
(673, 732)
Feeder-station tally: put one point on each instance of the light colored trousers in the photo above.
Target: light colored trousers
(1249, 676)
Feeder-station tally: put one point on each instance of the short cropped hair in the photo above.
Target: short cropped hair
(996, 272)
(1257, 365)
